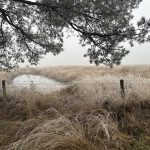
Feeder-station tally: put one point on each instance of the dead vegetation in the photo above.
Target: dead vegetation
(87, 115)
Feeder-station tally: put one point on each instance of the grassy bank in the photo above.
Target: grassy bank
(89, 114)
(72, 73)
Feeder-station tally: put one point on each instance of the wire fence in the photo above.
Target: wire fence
(31, 86)
(120, 87)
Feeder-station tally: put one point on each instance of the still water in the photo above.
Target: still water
(37, 83)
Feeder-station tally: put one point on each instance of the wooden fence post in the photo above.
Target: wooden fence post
(4, 88)
(122, 89)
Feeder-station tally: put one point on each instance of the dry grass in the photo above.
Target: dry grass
(101, 89)
(71, 73)
(67, 74)
(88, 115)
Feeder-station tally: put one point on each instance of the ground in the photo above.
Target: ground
(89, 114)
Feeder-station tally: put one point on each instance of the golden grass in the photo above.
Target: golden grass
(67, 74)
(89, 114)
(71, 73)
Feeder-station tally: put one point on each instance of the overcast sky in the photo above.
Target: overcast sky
(73, 52)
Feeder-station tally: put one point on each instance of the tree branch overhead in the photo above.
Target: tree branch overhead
(31, 29)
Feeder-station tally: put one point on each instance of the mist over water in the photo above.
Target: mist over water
(37, 83)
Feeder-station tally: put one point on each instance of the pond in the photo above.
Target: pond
(37, 83)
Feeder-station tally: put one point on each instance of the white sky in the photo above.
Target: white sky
(139, 54)
(73, 52)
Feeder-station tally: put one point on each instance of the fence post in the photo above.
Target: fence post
(4, 88)
(122, 89)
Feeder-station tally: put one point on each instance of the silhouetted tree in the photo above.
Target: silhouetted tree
(30, 29)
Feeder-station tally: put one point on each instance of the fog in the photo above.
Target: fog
(73, 51)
